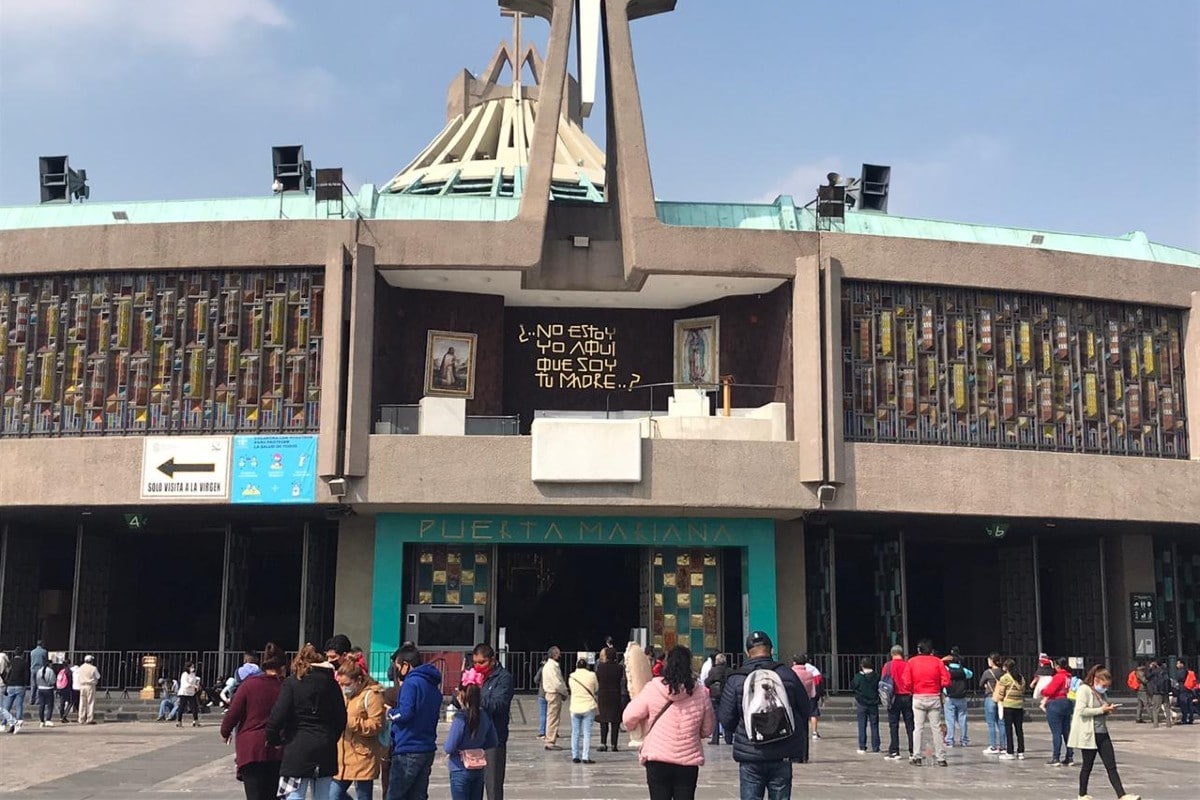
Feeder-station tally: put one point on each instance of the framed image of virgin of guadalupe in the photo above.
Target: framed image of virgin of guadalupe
(697, 356)
(450, 364)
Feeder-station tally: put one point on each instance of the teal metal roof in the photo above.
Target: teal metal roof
(784, 215)
(292, 205)
(494, 207)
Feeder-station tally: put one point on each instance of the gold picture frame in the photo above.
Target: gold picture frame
(450, 364)
(697, 353)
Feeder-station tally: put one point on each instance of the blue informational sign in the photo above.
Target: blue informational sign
(270, 470)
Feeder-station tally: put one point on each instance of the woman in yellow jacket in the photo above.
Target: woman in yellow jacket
(359, 750)
(1009, 695)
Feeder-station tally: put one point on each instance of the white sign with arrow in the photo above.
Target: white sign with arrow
(186, 467)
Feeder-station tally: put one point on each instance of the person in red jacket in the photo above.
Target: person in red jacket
(257, 762)
(902, 705)
(927, 675)
(1058, 713)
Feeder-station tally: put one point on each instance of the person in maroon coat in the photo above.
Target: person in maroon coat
(257, 761)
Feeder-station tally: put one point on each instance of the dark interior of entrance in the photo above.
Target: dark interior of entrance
(153, 580)
(571, 597)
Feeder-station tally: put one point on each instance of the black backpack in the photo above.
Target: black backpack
(958, 682)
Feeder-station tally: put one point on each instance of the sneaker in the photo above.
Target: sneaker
(1007, 757)
(49, 724)
(816, 735)
(915, 761)
(942, 762)
(1085, 797)
(1069, 763)
(588, 761)
(17, 726)
(574, 760)
(892, 757)
(861, 752)
(990, 751)
(1053, 763)
(1020, 756)
(1130, 797)
(41, 724)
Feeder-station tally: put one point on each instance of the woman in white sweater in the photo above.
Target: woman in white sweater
(189, 688)
(1089, 731)
(583, 686)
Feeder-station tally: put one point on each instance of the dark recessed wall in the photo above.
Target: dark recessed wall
(403, 319)
(636, 347)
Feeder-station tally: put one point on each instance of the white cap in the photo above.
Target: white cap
(89, 658)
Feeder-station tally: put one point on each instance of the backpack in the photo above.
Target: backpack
(385, 733)
(1132, 680)
(958, 682)
(1075, 681)
(766, 708)
(63, 680)
(887, 688)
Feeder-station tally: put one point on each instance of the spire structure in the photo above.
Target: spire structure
(484, 148)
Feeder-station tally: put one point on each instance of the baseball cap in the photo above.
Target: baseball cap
(758, 639)
(1043, 659)
(89, 658)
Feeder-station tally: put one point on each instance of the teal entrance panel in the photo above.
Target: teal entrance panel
(756, 537)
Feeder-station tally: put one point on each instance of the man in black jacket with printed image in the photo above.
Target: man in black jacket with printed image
(767, 766)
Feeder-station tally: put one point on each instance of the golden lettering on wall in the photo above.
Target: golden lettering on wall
(576, 356)
(581, 531)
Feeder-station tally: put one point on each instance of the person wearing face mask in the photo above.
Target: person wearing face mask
(359, 748)
(1089, 731)
(189, 688)
(414, 723)
(496, 698)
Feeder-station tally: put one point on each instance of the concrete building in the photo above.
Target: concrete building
(500, 382)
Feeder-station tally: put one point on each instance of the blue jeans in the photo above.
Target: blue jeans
(991, 715)
(409, 776)
(363, 790)
(320, 789)
(1058, 715)
(167, 708)
(466, 784)
(956, 717)
(14, 697)
(582, 724)
(773, 777)
(868, 715)
(541, 715)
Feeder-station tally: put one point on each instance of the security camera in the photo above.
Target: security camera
(826, 493)
(277, 186)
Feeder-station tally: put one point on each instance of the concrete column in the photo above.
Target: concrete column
(355, 579)
(1129, 561)
(807, 405)
(791, 599)
(333, 350)
(1191, 378)
(359, 413)
(835, 426)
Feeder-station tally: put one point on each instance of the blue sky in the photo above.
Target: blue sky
(1073, 115)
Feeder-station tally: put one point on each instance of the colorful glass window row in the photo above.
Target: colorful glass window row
(938, 365)
(161, 352)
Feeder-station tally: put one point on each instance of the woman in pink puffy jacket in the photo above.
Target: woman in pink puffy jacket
(678, 718)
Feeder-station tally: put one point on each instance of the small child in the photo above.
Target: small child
(865, 686)
(471, 733)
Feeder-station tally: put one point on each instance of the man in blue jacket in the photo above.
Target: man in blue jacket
(496, 700)
(414, 723)
(765, 767)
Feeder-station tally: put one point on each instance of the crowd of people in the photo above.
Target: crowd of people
(322, 727)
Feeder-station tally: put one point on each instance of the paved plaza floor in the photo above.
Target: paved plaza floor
(150, 761)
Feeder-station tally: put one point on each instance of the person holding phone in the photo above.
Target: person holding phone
(1089, 730)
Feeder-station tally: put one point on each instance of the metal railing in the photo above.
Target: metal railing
(838, 681)
(121, 670)
(405, 420)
